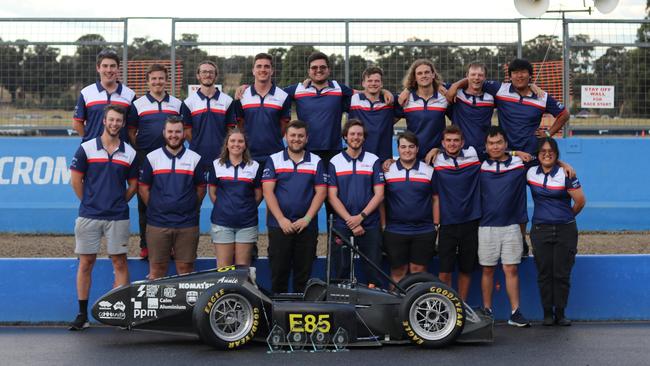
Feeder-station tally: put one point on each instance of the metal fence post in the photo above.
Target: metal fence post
(566, 44)
(519, 41)
(347, 52)
(125, 53)
(173, 57)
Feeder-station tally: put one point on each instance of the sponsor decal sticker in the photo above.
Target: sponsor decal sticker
(152, 303)
(119, 306)
(105, 305)
(191, 297)
(195, 285)
(169, 292)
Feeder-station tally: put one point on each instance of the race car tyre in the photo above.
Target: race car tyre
(412, 279)
(227, 316)
(432, 315)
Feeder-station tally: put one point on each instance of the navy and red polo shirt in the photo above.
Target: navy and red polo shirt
(235, 206)
(262, 119)
(550, 193)
(458, 186)
(104, 181)
(408, 199)
(426, 119)
(172, 180)
(322, 110)
(519, 115)
(473, 115)
(148, 117)
(355, 180)
(209, 119)
(503, 192)
(90, 107)
(378, 118)
(294, 184)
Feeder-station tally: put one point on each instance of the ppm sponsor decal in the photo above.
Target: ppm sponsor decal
(144, 313)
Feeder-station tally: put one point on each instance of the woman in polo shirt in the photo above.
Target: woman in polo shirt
(554, 234)
(235, 191)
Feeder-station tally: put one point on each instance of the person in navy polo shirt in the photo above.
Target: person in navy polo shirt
(503, 205)
(554, 233)
(100, 171)
(172, 185)
(294, 184)
(356, 189)
(425, 108)
(321, 103)
(146, 123)
(410, 210)
(208, 114)
(378, 116)
(89, 111)
(457, 178)
(263, 111)
(235, 190)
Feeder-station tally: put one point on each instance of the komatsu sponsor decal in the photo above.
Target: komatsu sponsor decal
(34, 170)
(195, 285)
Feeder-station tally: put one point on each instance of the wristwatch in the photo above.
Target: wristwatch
(363, 215)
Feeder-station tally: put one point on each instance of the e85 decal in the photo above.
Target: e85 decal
(310, 323)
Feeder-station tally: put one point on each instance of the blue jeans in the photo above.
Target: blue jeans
(369, 244)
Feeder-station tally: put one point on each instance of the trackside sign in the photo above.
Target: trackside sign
(597, 96)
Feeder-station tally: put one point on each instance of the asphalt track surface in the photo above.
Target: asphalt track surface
(581, 344)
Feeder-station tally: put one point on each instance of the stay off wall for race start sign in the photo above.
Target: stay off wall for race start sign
(597, 96)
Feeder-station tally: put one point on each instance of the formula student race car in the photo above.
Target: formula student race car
(227, 310)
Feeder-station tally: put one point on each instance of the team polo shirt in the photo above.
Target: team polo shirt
(91, 103)
(105, 175)
(235, 206)
(425, 118)
(408, 199)
(378, 118)
(294, 184)
(551, 197)
(209, 119)
(172, 180)
(503, 192)
(322, 110)
(473, 115)
(262, 117)
(520, 116)
(355, 179)
(148, 117)
(457, 180)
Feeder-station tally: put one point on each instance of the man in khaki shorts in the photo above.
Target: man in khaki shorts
(172, 185)
(99, 171)
(503, 203)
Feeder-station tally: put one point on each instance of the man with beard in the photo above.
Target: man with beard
(171, 183)
(89, 111)
(99, 171)
(208, 114)
(294, 184)
(145, 127)
(356, 189)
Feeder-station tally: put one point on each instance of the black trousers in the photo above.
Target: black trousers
(293, 252)
(555, 252)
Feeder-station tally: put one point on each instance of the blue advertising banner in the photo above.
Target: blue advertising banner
(36, 197)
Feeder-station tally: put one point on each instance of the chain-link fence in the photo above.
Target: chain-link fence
(44, 63)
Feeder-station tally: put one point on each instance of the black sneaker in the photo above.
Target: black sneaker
(517, 319)
(80, 322)
(488, 312)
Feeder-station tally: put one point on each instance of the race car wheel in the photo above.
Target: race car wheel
(412, 279)
(432, 314)
(227, 316)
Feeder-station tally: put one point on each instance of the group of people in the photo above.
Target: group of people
(462, 186)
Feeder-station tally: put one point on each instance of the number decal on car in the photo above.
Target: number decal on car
(309, 323)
